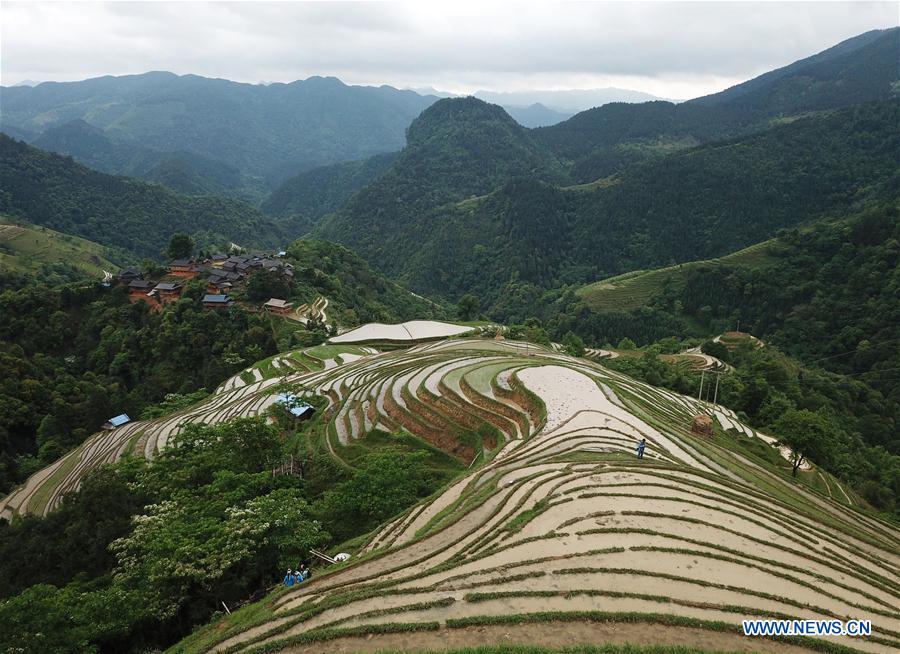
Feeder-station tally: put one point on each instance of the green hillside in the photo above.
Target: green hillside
(27, 249)
(269, 132)
(601, 141)
(827, 294)
(356, 293)
(528, 235)
(310, 195)
(635, 289)
(54, 191)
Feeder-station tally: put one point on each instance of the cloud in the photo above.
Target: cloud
(670, 49)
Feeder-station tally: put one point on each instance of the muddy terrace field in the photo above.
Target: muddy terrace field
(558, 521)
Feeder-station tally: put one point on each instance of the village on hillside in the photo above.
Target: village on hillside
(224, 275)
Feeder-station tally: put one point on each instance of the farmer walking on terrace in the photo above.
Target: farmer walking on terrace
(640, 448)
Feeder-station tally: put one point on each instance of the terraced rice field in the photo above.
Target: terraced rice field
(559, 523)
(314, 311)
(406, 332)
(248, 393)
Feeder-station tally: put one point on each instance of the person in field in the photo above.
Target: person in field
(289, 579)
(640, 448)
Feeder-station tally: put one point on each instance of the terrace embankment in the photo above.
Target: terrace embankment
(561, 535)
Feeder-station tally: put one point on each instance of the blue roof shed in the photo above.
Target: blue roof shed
(298, 408)
(117, 421)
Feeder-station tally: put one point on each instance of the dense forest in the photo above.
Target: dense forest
(459, 148)
(693, 204)
(604, 140)
(74, 356)
(106, 572)
(54, 191)
(310, 195)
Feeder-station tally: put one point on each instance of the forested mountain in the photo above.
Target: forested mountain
(459, 149)
(304, 199)
(829, 292)
(530, 235)
(54, 191)
(182, 171)
(602, 141)
(265, 131)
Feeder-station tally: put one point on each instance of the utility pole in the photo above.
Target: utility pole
(700, 394)
(716, 393)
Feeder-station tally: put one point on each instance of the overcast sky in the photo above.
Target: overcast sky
(674, 50)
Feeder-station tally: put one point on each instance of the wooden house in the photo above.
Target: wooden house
(184, 268)
(278, 307)
(167, 291)
(216, 301)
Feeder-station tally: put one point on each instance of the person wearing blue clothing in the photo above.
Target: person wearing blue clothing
(289, 579)
(640, 448)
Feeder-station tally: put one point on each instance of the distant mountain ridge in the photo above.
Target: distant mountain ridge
(602, 141)
(52, 190)
(185, 172)
(625, 186)
(268, 132)
(569, 101)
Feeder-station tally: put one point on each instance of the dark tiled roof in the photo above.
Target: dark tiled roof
(216, 299)
(167, 286)
(140, 283)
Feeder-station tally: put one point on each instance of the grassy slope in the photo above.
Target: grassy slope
(633, 290)
(26, 248)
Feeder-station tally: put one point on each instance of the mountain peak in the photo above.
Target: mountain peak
(468, 113)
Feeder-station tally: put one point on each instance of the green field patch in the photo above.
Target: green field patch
(635, 289)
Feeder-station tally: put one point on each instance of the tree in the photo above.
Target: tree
(626, 344)
(190, 547)
(387, 482)
(573, 344)
(264, 284)
(180, 246)
(809, 435)
(467, 307)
